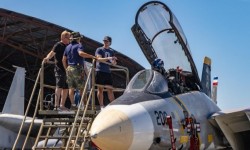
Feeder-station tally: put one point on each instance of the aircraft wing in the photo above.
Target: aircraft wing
(13, 122)
(235, 125)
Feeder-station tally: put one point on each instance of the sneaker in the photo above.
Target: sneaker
(73, 107)
(101, 109)
(56, 108)
(81, 106)
(63, 108)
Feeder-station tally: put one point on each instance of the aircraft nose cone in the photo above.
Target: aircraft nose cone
(112, 130)
(123, 127)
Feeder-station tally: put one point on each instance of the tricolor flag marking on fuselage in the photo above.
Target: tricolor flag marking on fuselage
(215, 81)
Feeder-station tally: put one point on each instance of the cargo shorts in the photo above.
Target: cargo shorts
(75, 77)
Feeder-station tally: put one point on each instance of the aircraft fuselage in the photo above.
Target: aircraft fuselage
(143, 124)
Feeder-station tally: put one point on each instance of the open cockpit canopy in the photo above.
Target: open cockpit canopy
(160, 35)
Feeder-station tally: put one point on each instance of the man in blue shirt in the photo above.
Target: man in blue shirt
(103, 73)
(73, 62)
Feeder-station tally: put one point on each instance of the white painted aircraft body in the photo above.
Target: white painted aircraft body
(168, 107)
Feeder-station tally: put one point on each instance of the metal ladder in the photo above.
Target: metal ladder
(75, 129)
(55, 133)
(74, 125)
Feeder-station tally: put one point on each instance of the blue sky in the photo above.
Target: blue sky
(219, 29)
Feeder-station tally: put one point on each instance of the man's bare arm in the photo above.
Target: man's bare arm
(64, 61)
(111, 59)
(49, 56)
(86, 55)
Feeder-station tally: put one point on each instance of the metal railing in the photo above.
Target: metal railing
(26, 113)
(78, 113)
(40, 99)
(91, 72)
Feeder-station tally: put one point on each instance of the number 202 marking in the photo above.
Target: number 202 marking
(161, 117)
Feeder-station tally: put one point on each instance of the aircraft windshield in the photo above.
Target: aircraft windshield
(141, 80)
(149, 80)
(158, 84)
(157, 24)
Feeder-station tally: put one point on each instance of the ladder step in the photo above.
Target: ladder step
(61, 113)
(62, 126)
(59, 137)
(48, 148)
(60, 120)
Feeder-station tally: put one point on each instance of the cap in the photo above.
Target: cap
(75, 35)
(107, 38)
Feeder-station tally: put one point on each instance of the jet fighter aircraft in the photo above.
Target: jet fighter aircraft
(168, 106)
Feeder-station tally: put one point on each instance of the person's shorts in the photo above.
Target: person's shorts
(61, 82)
(61, 79)
(75, 77)
(103, 78)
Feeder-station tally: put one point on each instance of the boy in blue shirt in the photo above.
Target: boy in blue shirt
(103, 73)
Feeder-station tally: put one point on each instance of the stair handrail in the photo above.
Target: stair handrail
(41, 95)
(120, 68)
(92, 72)
(79, 108)
(39, 133)
(32, 122)
(84, 114)
(27, 109)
